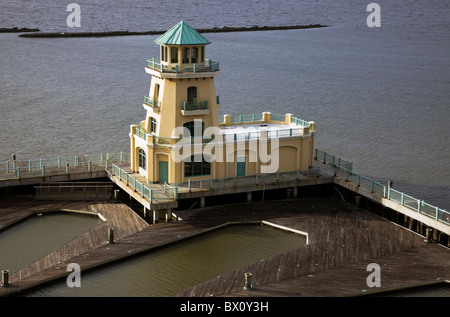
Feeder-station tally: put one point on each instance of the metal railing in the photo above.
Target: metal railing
(208, 66)
(152, 102)
(60, 165)
(153, 195)
(257, 179)
(342, 171)
(195, 105)
(332, 159)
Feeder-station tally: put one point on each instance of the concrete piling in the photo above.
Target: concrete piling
(110, 235)
(248, 281)
(429, 235)
(5, 278)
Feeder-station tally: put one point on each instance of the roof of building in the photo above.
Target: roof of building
(182, 34)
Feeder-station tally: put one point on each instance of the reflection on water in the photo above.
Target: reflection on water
(171, 269)
(23, 243)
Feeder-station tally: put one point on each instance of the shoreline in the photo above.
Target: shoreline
(35, 34)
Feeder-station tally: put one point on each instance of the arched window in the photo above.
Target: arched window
(142, 159)
(196, 165)
(195, 128)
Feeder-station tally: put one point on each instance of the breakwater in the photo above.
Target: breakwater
(204, 30)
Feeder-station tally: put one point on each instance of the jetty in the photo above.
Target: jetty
(350, 220)
(35, 33)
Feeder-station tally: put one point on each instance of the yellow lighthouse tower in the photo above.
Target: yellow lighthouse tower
(182, 94)
(181, 139)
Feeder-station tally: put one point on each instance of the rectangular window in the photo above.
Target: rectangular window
(194, 55)
(186, 55)
(142, 159)
(174, 55)
(196, 165)
(153, 125)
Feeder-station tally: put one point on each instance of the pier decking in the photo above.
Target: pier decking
(342, 240)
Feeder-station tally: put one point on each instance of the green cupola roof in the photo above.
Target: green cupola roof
(182, 34)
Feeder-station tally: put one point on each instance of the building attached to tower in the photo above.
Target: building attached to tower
(182, 138)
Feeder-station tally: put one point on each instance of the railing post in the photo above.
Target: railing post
(437, 212)
(40, 164)
(29, 165)
(402, 199)
(76, 161)
(190, 185)
(150, 195)
(389, 193)
(372, 186)
(67, 168)
(7, 167)
(89, 166)
(43, 170)
(18, 173)
(59, 162)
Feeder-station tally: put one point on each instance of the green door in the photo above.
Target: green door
(163, 172)
(240, 166)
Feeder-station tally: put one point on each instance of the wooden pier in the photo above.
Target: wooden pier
(343, 237)
(343, 240)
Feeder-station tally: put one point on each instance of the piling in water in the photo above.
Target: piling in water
(5, 278)
(248, 281)
(429, 234)
(110, 235)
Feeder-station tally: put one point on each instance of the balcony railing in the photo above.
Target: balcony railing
(195, 105)
(152, 102)
(208, 66)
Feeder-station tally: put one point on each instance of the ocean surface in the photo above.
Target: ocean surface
(379, 96)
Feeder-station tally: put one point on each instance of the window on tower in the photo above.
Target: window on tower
(194, 55)
(186, 51)
(142, 159)
(174, 55)
(153, 125)
(196, 165)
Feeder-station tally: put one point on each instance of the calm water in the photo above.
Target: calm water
(379, 96)
(174, 268)
(29, 240)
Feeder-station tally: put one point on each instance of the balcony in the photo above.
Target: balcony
(194, 108)
(175, 71)
(155, 104)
